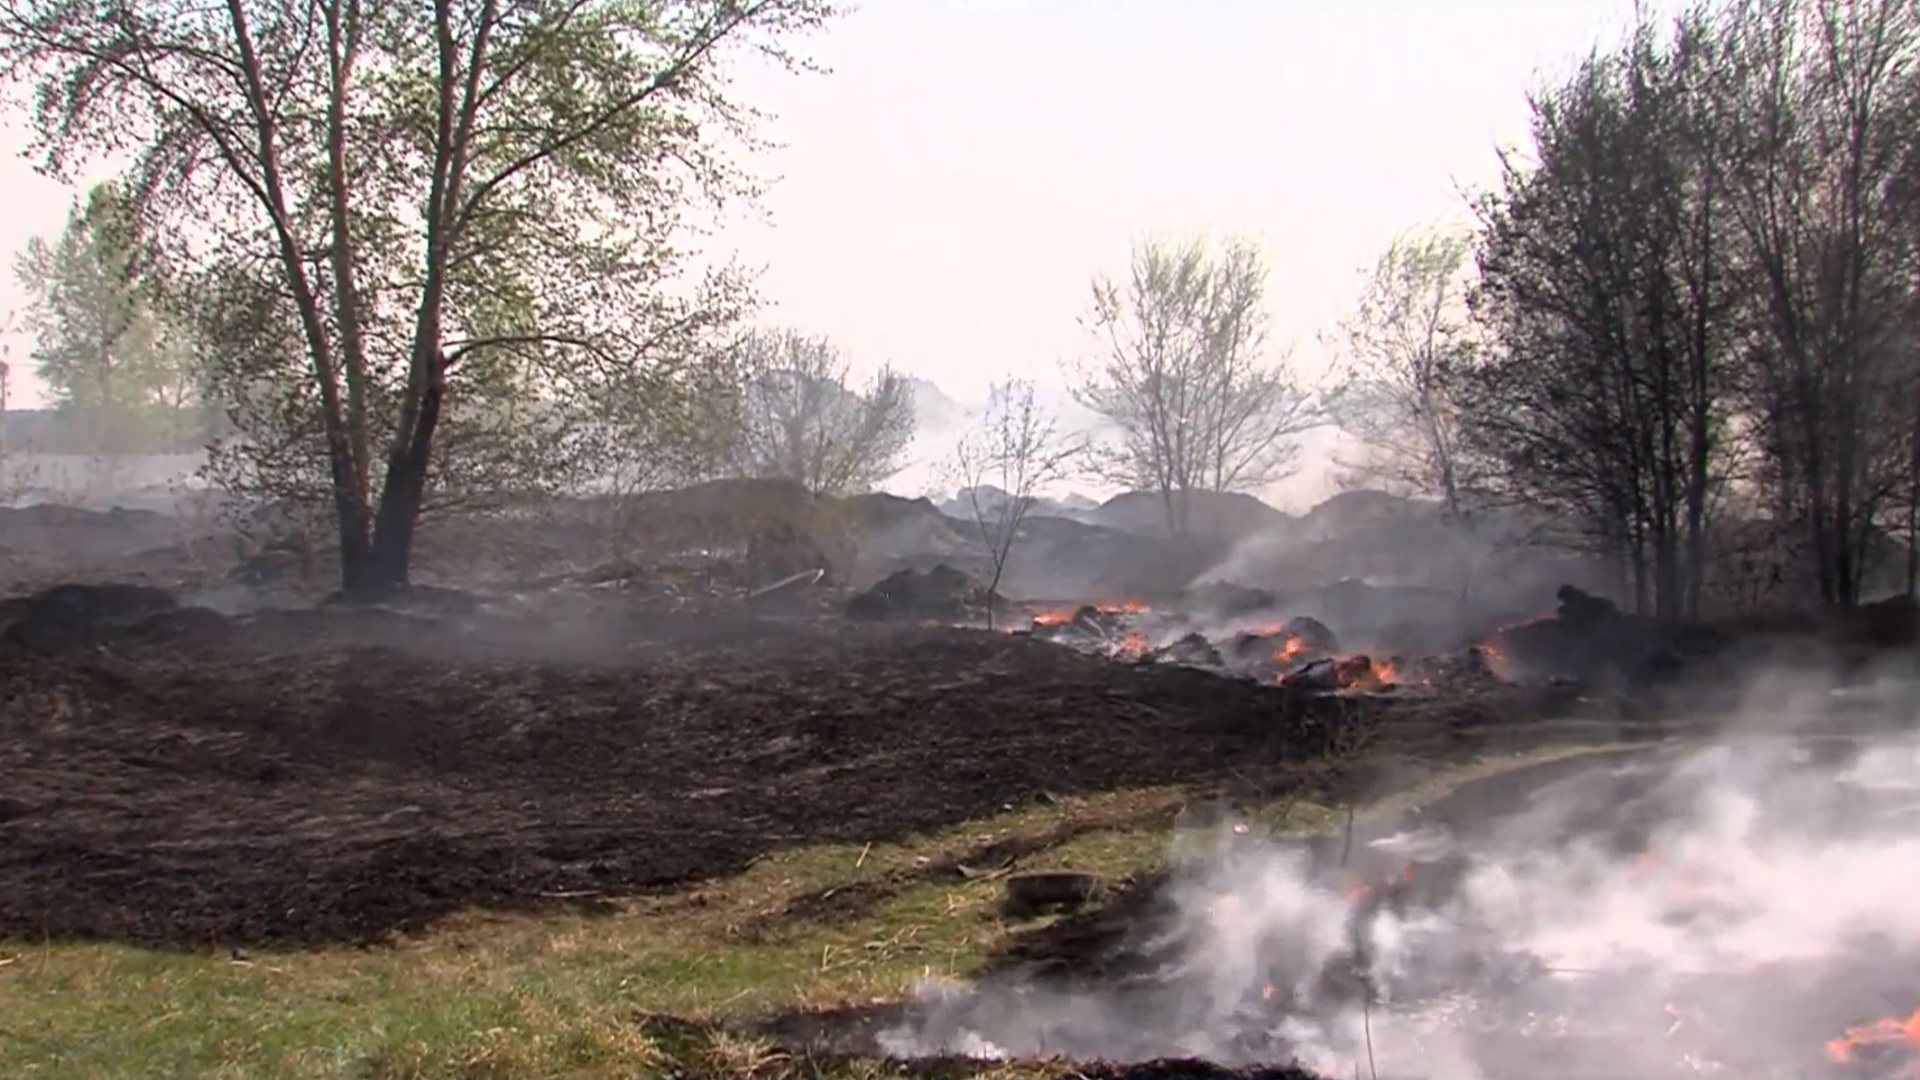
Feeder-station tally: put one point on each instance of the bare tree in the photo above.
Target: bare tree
(1394, 351)
(1185, 378)
(1814, 96)
(1704, 292)
(800, 420)
(1604, 392)
(1017, 450)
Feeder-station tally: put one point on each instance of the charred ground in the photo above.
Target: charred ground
(195, 760)
(305, 778)
(312, 774)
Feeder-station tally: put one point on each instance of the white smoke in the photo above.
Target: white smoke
(1724, 907)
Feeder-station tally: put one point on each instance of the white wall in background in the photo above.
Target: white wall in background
(146, 482)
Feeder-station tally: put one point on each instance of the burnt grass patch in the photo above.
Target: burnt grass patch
(262, 793)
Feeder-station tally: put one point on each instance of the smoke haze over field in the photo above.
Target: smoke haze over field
(1736, 906)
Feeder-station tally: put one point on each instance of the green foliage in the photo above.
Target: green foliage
(1395, 351)
(120, 371)
(1187, 379)
(799, 419)
(435, 247)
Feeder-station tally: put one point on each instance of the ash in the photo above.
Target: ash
(1734, 910)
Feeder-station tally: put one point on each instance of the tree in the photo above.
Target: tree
(800, 420)
(1017, 450)
(1394, 352)
(118, 370)
(1604, 395)
(1184, 378)
(411, 214)
(1823, 184)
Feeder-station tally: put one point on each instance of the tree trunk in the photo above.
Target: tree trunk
(993, 587)
(1913, 505)
(1845, 573)
(403, 495)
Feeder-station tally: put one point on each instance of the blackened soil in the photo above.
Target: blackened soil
(245, 791)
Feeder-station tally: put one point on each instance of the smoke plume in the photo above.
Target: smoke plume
(1727, 908)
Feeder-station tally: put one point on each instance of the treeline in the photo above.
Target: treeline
(1681, 331)
(1691, 323)
(1682, 327)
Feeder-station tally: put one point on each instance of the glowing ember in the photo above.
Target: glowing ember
(1290, 650)
(1135, 645)
(1495, 656)
(1355, 672)
(1067, 616)
(1386, 672)
(1879, 1033)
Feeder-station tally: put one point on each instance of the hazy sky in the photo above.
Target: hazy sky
(946, 191)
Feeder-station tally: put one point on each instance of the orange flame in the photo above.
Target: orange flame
(1879, 1033)
(1290, 650)
(1135, 645)
(1357, 672)
(1065, 616)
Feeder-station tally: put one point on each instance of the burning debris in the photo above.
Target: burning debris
(1890, 1041)
(1357, 672)
(1100, 620)
(1299, 653)
(1287, 645)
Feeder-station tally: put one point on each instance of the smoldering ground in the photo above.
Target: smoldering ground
(1732, 908)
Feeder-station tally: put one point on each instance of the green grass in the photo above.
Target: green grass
(569, 995)
(555, 995)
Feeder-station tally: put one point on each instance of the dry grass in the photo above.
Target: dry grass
(570, 995)
(561, 995)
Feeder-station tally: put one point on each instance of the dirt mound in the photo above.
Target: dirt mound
(346, 791)
(44, 544)
(1227, 515)
(942, 593)
(1589, 639)
(878, 510)
(1888, 624)
(75, 616)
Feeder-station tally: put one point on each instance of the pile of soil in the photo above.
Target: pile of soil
(45, 544)
(942, 593)
(298, 780)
